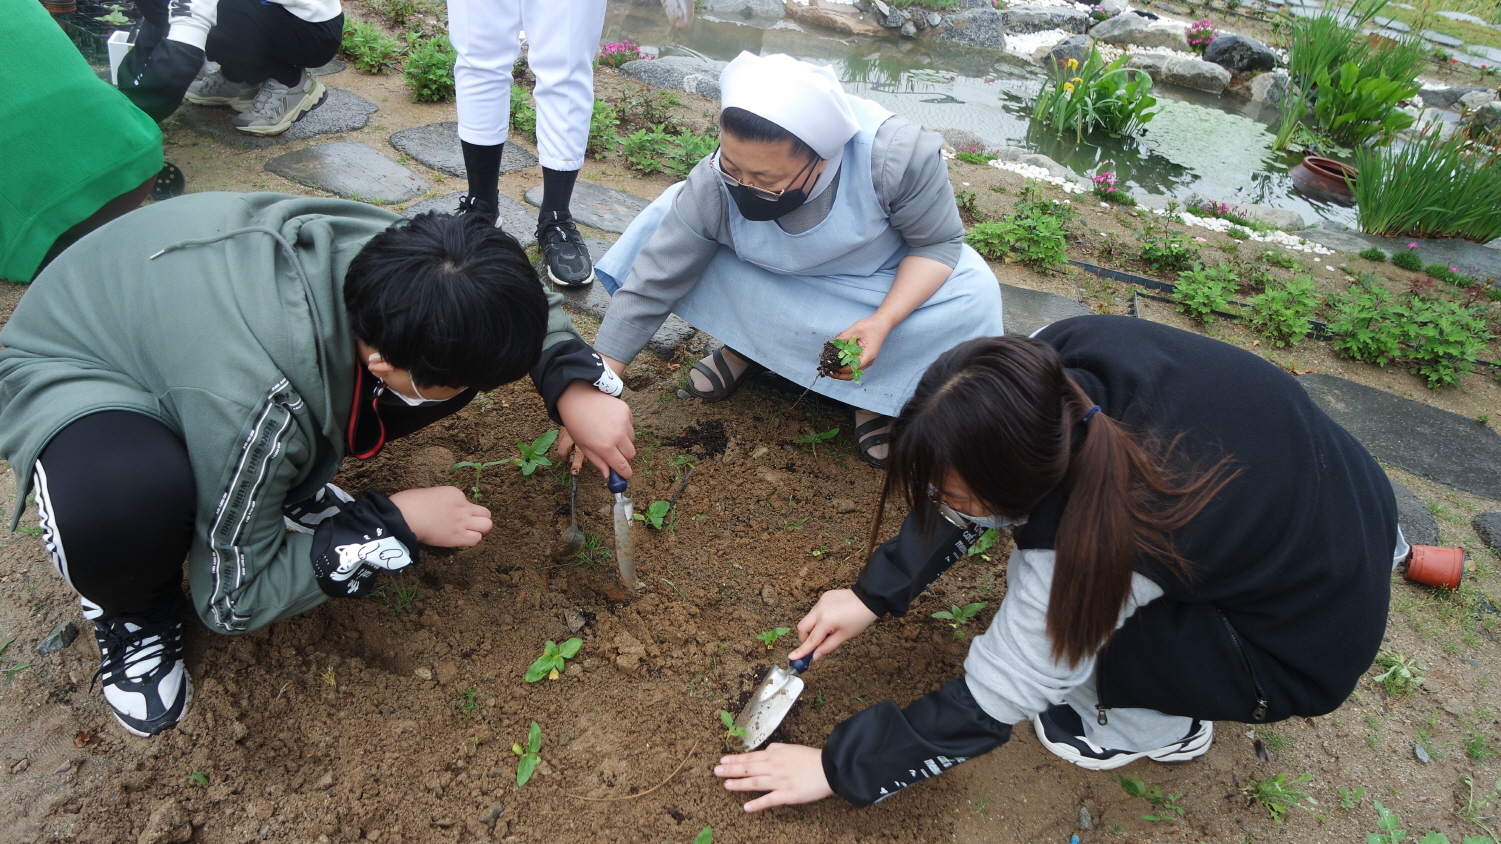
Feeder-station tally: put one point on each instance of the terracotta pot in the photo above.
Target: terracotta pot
(1324, 177)
(60, 7)
(1432, 566)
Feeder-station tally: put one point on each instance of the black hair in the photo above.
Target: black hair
(749, 126)
(451, 299)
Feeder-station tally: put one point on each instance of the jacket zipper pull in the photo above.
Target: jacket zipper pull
(1100, 716)
(1259, 713)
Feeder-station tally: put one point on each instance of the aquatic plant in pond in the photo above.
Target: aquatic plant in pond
(1429, 188)
(1355, 107)
(1199, 34)
(1096, 95)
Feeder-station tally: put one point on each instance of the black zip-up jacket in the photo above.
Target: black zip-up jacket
(1292, 560)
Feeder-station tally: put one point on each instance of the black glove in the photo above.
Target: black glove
(354, 545)
(168, 54)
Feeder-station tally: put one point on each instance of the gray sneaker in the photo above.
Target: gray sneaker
(277, 107)
(215, 90)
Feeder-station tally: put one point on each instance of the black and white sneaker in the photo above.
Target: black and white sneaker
(1061, 730)
(471, 205)
(564, 252)
(142, 672)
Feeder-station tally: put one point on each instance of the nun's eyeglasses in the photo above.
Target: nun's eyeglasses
(759, 193)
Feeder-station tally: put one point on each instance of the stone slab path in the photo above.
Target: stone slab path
(351, 170)
(1023, 311)
(1418, 525)
(1472, 258)
(518, 220)
(594, 205)
(334, 66)
(342, 111)
(436, 145)
(1423, 440)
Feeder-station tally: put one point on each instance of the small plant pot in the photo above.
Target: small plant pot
(1324, 177)
(1431, 566)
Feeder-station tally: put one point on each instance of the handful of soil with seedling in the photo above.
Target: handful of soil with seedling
(837, 354)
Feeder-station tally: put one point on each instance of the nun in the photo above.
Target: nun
(821, 216)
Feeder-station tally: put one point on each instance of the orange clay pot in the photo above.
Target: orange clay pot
(1432, 566)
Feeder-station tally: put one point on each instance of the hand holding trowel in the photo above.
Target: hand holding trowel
(625, 556)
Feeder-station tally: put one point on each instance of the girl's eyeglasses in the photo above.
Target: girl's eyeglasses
(760, 193)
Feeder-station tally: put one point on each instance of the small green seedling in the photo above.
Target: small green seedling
(553, 659)
(770, 637)
(959, 616)
(1278, 794)
(534, 455)
(849, 355)
(706, 836)
(986, 541)
(199, 778)
(730, 730)
(1166, 805)
(529, 758)
(12, 671)
(1402, 676)
(469, 703)
(812, 441)
(478, 469)
(1350, 799)
(655, 514)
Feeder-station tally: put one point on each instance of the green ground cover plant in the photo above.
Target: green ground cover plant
(1034, 236)
(1429, 188)
(1282, 312)
(1407, 259)
(371, 50)
(655, 514)
(1402, 676)
(1373, 254)
(428, 69)
(656, 150)
(1165, 253)
(1278, 794)
(1164, 806)
(1096, 96)
(1203, 290)
(523, 111)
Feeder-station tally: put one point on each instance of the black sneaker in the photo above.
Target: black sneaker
(142, 672)
(564, 252)
(1061, 730)
(471, 205)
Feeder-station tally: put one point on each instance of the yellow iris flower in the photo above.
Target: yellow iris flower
(1068, 87)
(1073, 64)
(1075, 81)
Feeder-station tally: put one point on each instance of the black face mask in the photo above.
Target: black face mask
(759, 209)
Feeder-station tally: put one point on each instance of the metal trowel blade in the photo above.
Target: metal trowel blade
(768, 705)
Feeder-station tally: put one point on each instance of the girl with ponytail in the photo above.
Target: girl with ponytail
(1194, 541)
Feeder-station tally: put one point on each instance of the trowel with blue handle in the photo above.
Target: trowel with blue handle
(625, 555)
(771, 702)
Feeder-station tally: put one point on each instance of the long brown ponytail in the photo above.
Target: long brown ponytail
(1002, 414)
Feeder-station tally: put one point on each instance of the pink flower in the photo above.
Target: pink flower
(1199, 240)
(1413, 245)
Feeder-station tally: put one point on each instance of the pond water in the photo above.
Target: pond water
(1198, 143)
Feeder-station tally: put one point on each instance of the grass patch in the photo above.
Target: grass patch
(1429, 188)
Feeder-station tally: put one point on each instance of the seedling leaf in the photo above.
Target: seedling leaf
(849, 355)
(705, 837)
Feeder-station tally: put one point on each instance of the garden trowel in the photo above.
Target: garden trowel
(624, 555)
(771, 702)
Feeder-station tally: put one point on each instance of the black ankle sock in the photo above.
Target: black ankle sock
(557, 192)
(294, 74)
(483, 164)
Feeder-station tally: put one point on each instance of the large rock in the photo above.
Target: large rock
(677, 73)
(1074, 47)
(1184, 72)
(960, 138)
(1022, 19)
(760, 10)
(1488, 526)
(1168, 35)
(1278, 218)
(1487, 118)
(1269, 88)
(436, 145)
(1120, 29)
(836, 16)
(1114, 7)
(351, 170)
(1445, 97)
(1240, 54)
(982, 29)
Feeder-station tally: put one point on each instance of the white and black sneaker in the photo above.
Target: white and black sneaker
(1061, 730)
(564, 252)
(142, 672)
(473, 205)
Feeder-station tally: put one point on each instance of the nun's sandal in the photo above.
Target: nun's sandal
(716, 370)
(874, 433)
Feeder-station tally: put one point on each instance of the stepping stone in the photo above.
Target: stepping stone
(1441, 39)
(1418, 525)
(351, 170)
(1472, 258)
(436, 145)
(1473, 61)
(518, 220)
(1389, 23)
(594, 205)
(1461, 16)
(1023, 310)
(1484, 52)
(334, 66)
(595, 301)
(342, 111)
(1412, 436)
(1488, 526)
(1391, 34)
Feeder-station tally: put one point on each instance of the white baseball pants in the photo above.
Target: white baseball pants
(562, 36)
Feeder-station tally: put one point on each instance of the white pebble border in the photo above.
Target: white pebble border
(1026, 44)
(1281, 238)
(1034, 172)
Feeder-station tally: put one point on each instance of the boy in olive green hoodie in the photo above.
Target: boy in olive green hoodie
(186, 380)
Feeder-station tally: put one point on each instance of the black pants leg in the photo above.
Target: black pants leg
(255, 41)
(115, 495)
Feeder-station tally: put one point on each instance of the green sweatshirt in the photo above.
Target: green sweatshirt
(222, 316)
(71, 142)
